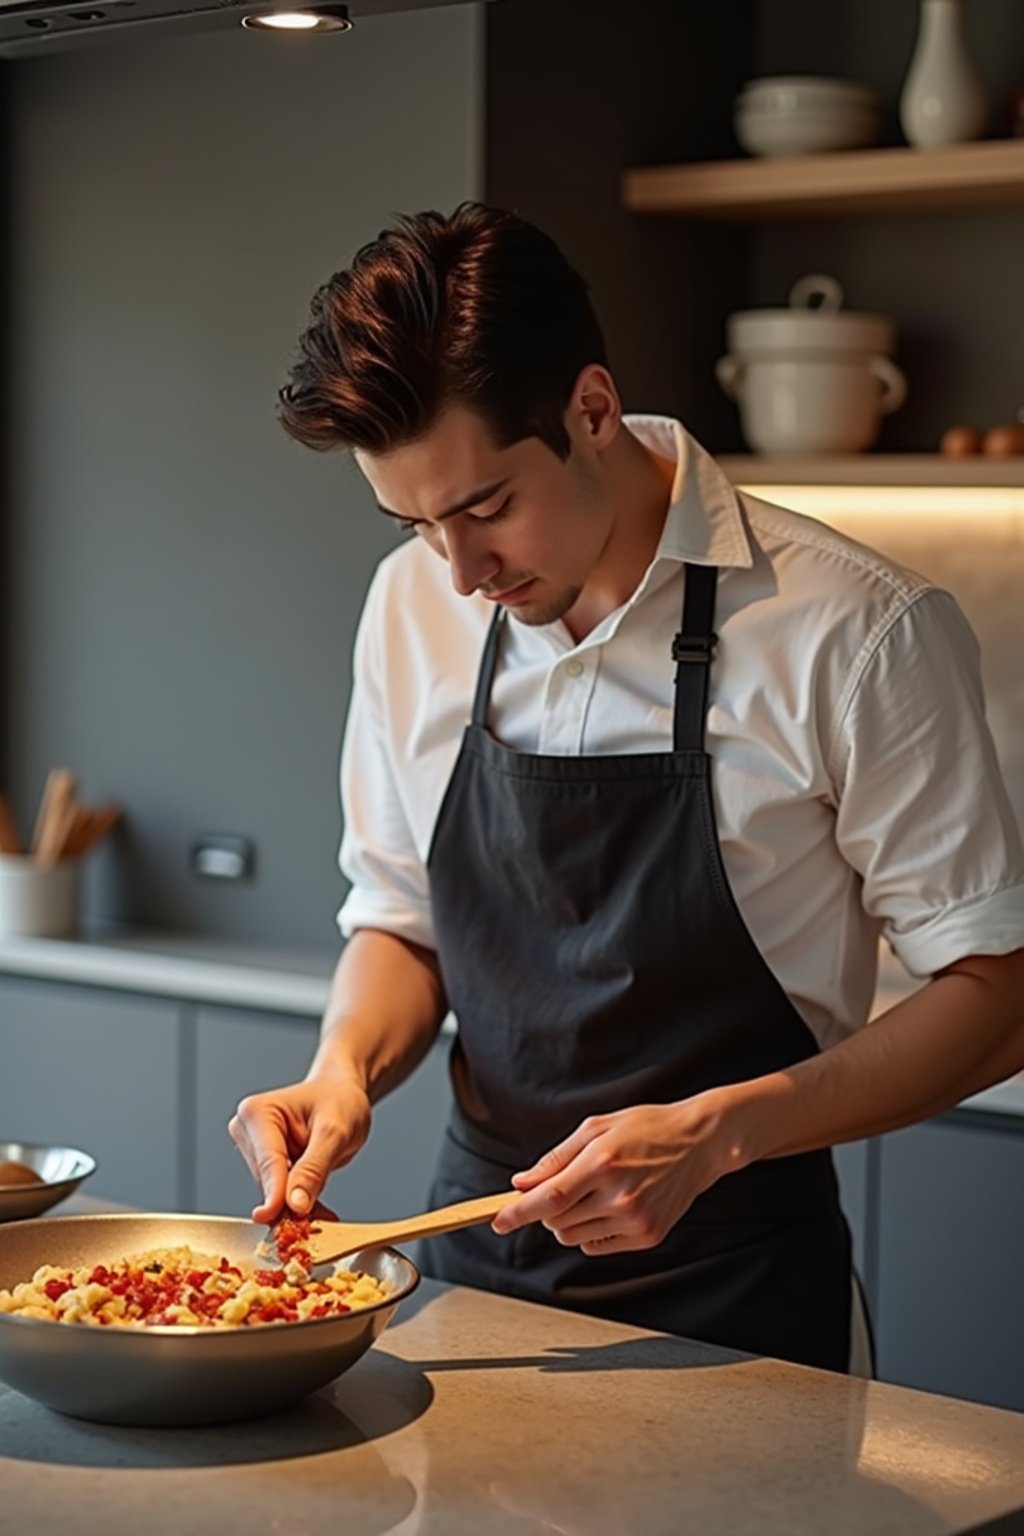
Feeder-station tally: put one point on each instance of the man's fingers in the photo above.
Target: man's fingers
(236, 1130)
(328, 1142)
(550, 1201)
(261, 1142)
(559, 1157)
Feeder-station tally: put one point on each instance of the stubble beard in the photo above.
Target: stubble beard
(548, 609)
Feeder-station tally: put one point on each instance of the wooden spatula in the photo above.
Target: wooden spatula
(329, 1240)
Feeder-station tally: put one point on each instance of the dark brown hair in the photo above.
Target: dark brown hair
(479, 308)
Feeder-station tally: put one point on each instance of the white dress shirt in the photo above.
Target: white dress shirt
(855, 782)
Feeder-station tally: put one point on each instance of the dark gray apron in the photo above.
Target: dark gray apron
(594, 957)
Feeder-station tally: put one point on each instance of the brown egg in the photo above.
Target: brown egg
(18, 1173)
(1005, 441)
(959, 441)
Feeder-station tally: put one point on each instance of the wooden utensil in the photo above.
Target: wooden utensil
(87, 828)
(329, 1240)
(10, 842)
(56, 813)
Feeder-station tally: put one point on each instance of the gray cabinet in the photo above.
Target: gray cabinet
(240, 1052)
(951, 1241)
(101, 1071)
(853, 1162)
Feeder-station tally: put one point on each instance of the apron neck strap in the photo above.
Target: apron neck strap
(692, 650)
(485, 676)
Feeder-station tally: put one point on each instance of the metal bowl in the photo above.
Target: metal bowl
(179, 1376)
(61, 1168)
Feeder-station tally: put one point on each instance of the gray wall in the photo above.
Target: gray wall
(182, 582)
(952, 282)
(577, 93)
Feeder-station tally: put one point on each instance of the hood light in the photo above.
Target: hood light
(322, 18)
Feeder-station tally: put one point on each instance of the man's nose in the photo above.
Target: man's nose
(471, 565)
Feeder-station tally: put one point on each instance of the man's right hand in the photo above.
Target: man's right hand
(292, 1138)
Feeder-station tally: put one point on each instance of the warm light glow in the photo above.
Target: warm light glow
(831, 503)
(287, 20)
(330, 16)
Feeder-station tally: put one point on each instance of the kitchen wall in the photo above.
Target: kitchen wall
(578, 92)
(182, 582)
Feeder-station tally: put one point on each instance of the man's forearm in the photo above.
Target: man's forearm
(959, 1034)
(384, 1010)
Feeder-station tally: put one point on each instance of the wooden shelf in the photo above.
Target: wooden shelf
(927, 469)
(985, 175)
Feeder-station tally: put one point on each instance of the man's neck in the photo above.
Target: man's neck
(641, 487)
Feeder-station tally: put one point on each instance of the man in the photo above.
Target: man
(636, 772)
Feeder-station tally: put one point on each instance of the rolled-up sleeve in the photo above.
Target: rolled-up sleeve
(378, 854)
(923, 815)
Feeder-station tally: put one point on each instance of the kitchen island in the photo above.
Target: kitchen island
(476, 1415)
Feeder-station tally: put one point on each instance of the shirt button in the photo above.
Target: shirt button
(574, 668)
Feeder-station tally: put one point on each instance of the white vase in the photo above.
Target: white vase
(942, 100)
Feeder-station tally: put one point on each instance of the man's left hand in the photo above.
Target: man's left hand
(621, 1181)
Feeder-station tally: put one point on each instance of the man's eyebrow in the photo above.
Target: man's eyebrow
(474, 499)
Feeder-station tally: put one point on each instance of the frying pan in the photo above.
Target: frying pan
(179, 1376)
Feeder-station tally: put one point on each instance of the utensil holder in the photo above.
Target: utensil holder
(37, 900)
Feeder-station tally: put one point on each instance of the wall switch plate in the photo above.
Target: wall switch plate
(223, 856)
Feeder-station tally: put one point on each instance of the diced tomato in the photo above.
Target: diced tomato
(198, 1277)
(291, 1237)
(270, 1277)
(100, 1275)
(55, 1289)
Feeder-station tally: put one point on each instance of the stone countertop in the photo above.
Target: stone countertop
(476, 1415)
(181, 965)
(198, 969)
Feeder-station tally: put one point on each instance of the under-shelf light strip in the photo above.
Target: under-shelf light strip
(834, 501)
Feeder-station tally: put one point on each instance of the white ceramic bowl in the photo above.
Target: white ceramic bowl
(804, 133)
(793, 93)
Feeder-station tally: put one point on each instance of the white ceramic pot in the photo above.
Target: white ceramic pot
(812, 405)
(37, 900)
(811, 381)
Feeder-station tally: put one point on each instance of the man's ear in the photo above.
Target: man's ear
(595, 405)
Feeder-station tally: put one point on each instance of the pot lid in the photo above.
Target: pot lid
(814, 321)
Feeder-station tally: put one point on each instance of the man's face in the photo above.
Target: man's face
(516, 524)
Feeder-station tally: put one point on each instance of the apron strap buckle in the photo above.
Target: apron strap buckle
(695, 648)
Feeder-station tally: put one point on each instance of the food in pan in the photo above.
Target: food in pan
(178, 1287)
(12, 1174)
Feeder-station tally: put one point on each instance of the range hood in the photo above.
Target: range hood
(36, 26)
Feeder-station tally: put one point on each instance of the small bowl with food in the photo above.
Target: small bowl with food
(181, 1320)
(34, 1177)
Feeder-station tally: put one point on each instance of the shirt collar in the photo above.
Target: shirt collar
(704, 524)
